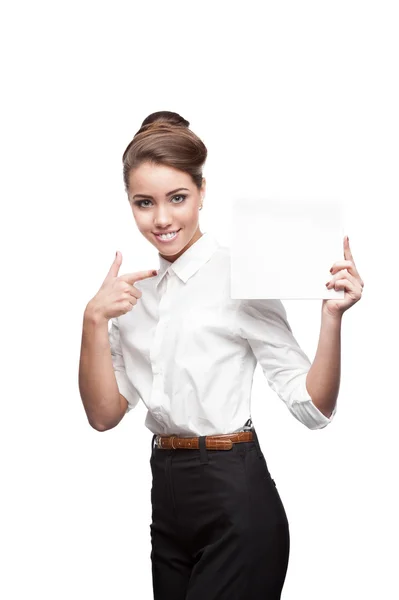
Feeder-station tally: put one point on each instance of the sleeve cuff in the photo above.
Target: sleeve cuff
(126, 390)
(307, 412)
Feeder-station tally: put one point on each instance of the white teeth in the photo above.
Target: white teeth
(166, 236)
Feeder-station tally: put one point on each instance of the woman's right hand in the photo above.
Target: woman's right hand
(117, 295)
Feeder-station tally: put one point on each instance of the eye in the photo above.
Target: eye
(180, 196)
(139, 202)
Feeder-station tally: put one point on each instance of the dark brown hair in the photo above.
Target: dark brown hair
(164, 138)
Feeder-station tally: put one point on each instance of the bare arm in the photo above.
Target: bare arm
(324, 376)
(104, 405)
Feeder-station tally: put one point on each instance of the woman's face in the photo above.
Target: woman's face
(155, 210)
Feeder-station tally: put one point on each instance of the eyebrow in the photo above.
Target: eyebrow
(166, 195)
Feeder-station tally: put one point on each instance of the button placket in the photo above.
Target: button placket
(164, 304)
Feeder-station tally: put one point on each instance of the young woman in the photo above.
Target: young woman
(179, 343)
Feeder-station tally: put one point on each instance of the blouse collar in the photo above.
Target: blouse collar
(191, 260)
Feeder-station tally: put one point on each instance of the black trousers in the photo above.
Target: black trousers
(219, 529)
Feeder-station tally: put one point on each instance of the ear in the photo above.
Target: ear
(203, 187)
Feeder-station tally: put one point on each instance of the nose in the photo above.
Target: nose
(162, 218)
(159, 225)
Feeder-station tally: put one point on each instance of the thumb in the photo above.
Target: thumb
(116, 265)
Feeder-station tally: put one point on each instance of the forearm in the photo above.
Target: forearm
(97, 382)
(323, 378)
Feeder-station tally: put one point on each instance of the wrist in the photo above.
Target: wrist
(93, 316)
(333, 317)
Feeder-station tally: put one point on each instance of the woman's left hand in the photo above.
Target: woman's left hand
(345, 277)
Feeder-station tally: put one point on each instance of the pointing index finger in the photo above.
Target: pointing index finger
(137, 276)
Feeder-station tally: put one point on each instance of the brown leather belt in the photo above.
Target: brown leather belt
(213, 442)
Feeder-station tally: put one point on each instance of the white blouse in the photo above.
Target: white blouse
(189, 351)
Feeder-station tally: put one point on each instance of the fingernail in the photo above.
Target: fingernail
(331, 270)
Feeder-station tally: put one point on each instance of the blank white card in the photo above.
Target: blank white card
(284, 248)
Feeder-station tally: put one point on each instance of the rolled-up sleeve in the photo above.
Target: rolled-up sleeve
(263, 323)
(125, 386)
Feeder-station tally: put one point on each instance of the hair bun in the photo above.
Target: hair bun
(163, 119)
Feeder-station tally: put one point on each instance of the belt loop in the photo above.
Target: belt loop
(203, 450)
(153, 444)
(259, 451)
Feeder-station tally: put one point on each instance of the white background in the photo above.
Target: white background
(289, 98)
